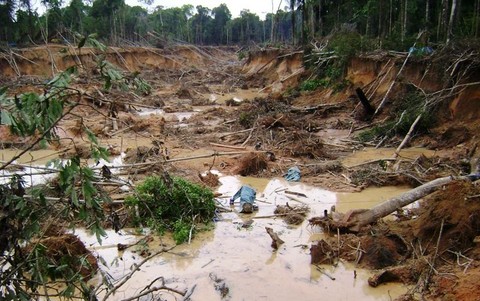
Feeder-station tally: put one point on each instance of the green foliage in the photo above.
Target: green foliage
(332, 64)
(246, 119)
(311, 85)
(173, 204)
(114, 78)
(21, 218)
(32, 113)
(242, 55)
(330, 77)
(181, 231)
(345, 44)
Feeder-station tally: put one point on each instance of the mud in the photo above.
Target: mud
(209, 111)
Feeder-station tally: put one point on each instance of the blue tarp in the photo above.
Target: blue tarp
(420, 50)
(247, 196)
(293, 174)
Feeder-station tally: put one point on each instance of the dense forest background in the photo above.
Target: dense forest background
(390, 24)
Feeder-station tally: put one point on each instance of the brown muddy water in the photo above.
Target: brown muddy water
(240, 253)
(242, 256)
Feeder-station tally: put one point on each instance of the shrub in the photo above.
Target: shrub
(310, 85)
(173, 204)
(246, 119)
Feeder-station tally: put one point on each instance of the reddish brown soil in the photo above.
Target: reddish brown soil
(288, 126)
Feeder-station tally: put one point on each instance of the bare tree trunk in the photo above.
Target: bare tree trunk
(405, 20)
(427, 14)
(272, 37)
(292, 7)
(320, 20)
(304, 22)
(370, 216)
(407, 137)
(442, 20)
(312, 21)
(390, 22)
(380, 11)
(477, 18)
(453, 10)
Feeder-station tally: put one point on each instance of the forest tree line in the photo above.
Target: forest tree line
(390, 23)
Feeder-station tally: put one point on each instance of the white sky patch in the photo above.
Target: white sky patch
(259, 7)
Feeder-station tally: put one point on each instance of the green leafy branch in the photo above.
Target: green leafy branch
(173, 204)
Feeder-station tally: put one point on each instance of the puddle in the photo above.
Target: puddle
(368, 198)
(332, 135)
(238, 96)
(371, 153)
(40, 157)
(175, 116)
(243, 257)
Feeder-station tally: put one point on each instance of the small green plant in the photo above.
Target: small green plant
(375, 132)
(181, 231)
(172, 204)
(241, 55)
(246, 119)
(311, 85)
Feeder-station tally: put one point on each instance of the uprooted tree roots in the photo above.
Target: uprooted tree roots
(66, 249)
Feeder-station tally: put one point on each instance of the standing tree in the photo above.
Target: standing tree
(221, 16)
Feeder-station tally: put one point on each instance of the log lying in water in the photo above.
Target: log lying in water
(354, 220)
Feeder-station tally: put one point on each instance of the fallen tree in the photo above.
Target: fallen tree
(354, 220)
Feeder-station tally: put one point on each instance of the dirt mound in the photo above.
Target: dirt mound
(446, 226)
(251, 164)
(460, 286)
(209, 179)
(458, 208)
(383, 250)
(274, 69)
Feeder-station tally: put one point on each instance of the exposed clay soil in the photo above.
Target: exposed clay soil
(271, 130)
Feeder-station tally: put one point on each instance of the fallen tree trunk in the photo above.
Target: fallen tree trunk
(355, 220)
(364, 101)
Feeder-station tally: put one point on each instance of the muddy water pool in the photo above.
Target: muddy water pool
(242, 255)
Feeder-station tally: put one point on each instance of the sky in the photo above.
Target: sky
(259, 7)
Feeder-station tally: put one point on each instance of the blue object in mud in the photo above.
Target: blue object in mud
(293, 174)
(247, 196)
(474, 177)
(420, 51)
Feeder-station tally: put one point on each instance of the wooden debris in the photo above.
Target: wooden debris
(276, 240)
(227, 146)
(322, 253)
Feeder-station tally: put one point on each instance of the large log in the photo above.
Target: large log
(364, 101)
(357, 219)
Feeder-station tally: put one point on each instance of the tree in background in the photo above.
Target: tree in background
(392, 24)
(221, 16)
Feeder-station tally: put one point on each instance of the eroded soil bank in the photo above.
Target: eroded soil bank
(209, 111)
